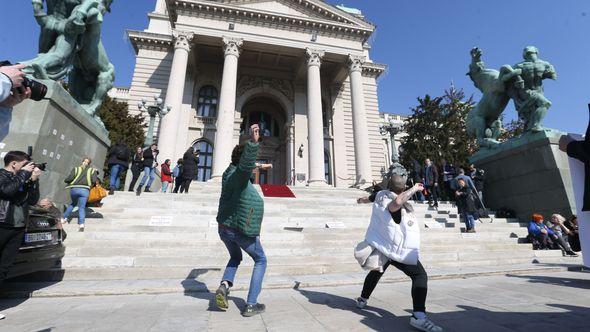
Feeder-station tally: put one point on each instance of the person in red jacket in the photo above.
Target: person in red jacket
(166, 175)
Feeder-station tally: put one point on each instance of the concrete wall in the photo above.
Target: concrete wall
(61, 134)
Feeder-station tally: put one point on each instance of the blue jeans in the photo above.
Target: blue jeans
(115, 182)
(469, 220)
(148, 172)
(165, 186)
(79, 198)
(235, 242)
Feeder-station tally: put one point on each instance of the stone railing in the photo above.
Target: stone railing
(205, 120)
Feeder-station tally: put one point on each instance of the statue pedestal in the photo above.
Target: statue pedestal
(61, 133)
(528, 174)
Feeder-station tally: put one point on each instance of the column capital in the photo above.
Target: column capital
(183, 39)
(232, 46)
(314, 56)
(355, 63)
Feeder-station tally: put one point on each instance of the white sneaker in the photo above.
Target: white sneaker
(81, 228)
(361, 303)
(64, 220)
(425, 324)
(2, 316)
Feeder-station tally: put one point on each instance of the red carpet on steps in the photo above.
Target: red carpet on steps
(271, 190)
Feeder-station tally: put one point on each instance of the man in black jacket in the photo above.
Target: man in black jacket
(150, 162)
(431, 182)
(118, 163)
(478, 177)
(19, 188)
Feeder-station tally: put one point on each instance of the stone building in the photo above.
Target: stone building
(299, 68)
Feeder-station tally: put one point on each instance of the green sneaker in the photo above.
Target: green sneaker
(253, 309)
(221, 297)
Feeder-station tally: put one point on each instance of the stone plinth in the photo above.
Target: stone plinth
(61, 133)
(529, 174)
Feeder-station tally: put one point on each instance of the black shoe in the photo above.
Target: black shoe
(221, 297)
(138, 191)
(253, 309)
(147, 190)
(571, 253)
(111, 191)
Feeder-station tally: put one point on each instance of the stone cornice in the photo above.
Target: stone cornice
(372, 69)
(198, 7)
(150, 40)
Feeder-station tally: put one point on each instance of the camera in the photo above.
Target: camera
(41, 166)
(38, 90)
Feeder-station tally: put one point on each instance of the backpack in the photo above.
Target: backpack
(176, 171)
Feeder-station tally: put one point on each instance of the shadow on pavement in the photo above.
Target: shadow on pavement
(199, 290)
(557, 281)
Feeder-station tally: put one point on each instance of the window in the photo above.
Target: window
(205, 160)
(269, 126)
(327, 173)
(207, 105)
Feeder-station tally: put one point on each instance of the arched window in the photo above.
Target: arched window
(208, 100)
(205, 160)
(327, 169)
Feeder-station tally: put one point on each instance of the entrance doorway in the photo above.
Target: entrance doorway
(271, 118)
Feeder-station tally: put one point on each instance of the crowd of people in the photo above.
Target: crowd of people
(145, 161)
(555, 233)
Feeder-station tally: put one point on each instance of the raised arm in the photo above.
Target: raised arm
(404, 197)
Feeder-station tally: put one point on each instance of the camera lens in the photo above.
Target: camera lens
(38, 90)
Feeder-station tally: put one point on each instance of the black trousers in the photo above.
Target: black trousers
(136, 173)
(186, 183)
(177, 184)
(415, 272)
(10, 241)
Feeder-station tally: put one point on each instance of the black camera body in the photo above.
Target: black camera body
(38, 90)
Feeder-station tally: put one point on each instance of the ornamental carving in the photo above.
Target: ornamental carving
(314, 57)
(248, 82)
(232, 46)
(182, 39)
(355, 63)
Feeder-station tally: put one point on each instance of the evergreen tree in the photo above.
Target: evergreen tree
(121, 126)
(436, 130)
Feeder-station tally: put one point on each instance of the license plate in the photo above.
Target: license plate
(38, 237)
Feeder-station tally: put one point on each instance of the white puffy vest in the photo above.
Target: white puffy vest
(399, 242)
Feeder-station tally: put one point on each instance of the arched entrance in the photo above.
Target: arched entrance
(271, 117)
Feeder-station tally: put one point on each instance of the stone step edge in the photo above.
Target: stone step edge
(92, 288)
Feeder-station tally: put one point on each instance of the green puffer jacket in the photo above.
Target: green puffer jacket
(240, 205)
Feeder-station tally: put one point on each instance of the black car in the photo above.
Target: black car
(42, 247)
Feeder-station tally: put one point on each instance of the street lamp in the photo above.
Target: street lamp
(153, 110)
(392, 128)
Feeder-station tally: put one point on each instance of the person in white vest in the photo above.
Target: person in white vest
(395, 233)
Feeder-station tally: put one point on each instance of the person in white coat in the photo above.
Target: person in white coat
(11, 80)
(394, 231)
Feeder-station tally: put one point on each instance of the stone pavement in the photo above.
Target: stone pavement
(537, 302)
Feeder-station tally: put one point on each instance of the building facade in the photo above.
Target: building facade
(301, 69)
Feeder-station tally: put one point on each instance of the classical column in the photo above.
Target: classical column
(290, 144)
(359, 121)
(315, 126)
(171, 125)
(227, 106)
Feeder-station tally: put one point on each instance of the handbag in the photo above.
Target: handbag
(97, 193)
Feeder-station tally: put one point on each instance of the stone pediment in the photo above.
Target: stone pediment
(308, 9)
(312, 14)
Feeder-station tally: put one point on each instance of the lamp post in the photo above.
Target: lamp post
(153, 110)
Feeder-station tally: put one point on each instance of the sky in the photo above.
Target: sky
(424, 43)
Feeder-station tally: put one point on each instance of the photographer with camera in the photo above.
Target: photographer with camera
(12, 93)
(19, 188)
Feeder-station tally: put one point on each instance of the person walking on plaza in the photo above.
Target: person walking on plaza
(478, 177)
(166, 175)
(80, 180)
(466, 203)
(136, 167)
(118, 163)
(240, 217)
(395, 233)
(448, 173)
(177, 175)
(190, 162)
(19, 188)
(150, 162)
(431, 182)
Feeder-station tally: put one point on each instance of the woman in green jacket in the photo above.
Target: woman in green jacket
(239, 217)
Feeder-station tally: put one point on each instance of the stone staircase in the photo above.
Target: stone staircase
(309, 238)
